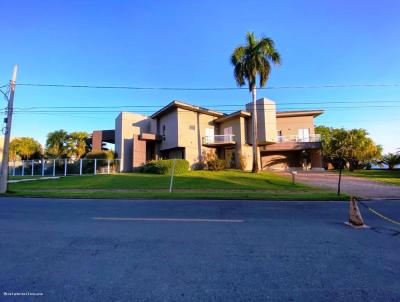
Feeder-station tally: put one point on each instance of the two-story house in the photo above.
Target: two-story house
(180, 130)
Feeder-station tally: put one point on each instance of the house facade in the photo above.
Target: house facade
(180, 130)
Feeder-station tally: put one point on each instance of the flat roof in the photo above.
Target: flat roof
(242, 113)
(178, 104)
(314, 113)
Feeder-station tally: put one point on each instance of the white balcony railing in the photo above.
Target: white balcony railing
(219, 139)
(314, 138)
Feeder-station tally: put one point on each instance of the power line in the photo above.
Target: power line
(189, 112)
(314, 86)
(203, 106)
(97, 117)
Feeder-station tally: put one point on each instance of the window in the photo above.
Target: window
(304, 135)
(279, 136)
(209, 135)
(228, 135)
(228, 130)
(209, 132)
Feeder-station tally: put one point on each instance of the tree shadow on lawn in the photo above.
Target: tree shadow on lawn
(245, 181)
(227, 180)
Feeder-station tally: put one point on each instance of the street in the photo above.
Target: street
(143, 250)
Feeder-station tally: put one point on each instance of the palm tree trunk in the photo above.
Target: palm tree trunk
(255, 140)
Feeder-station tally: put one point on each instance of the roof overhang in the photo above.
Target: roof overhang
(178, 104)
(313, 113)
(292, 146)
(150, 137)
(232, 115)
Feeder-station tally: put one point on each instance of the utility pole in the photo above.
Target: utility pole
(7, 134)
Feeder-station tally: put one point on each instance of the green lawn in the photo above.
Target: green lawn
(387, 176)
(230, 184)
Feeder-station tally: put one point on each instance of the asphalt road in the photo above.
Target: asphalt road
(76, 250)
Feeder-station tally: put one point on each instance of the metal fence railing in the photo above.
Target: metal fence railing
(218, 139)
(312, 138)
(63, 167)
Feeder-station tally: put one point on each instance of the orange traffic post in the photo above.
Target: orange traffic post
(355, 218)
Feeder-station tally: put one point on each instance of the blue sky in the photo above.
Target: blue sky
(188, 44)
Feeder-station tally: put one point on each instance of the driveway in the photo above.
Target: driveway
(356, 186)
(121, 250)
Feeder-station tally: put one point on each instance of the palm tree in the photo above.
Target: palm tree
(252, 61)
(77, 143)
(56, 143)
(391, 160)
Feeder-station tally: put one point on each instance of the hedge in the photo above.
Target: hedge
(101, 155)
(165, 166)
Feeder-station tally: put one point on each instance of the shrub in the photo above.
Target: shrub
(100, 155)
(102, 161)
(165, 166)
(216, 164)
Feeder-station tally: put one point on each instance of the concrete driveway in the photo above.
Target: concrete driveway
(356, 186)
(116, 250)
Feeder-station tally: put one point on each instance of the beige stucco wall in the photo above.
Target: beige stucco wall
(170, 122)
(266, 120)
(243, 150)
(192, 127)
(290, 159)
(290, 125)
(236, 129)
(126, 125)
(247, 152)
(281, 160)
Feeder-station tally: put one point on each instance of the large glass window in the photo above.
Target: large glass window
(228, 130)
(304, 135)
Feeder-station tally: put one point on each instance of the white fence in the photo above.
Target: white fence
(63, 167)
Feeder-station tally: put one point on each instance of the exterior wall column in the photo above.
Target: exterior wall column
(239, 139)
(316, 160)
(97, 140)
(138, 152)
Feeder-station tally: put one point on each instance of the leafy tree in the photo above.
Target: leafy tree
(251, 62)
(24, 148)
(77, 144)
(391, 160)
(352, 147)
(56, 144)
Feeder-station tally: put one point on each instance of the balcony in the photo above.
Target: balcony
(218, 140)
(294, 142)
(314, 138)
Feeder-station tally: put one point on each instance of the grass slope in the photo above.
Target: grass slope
(230, 184)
